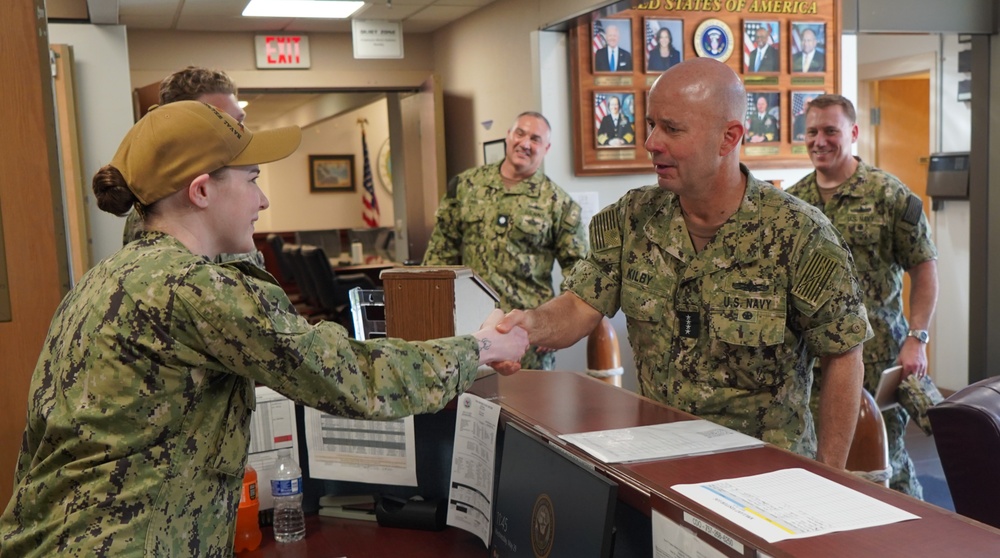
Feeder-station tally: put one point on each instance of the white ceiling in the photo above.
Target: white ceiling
(417, 16)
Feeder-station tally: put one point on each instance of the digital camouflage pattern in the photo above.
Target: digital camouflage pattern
(138, 418)
(727, 334)
(509, 237)
(134, 226)
(885, 227)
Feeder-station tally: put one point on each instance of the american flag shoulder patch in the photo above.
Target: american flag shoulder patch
(605, 232)
(814, 277)
(914, 206)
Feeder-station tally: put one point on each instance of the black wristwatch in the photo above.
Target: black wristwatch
(921, 334)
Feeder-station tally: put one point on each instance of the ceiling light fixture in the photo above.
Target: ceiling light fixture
(328, 9)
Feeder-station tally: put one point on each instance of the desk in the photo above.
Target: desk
(529, 398)
(588, 404)
(335, 537)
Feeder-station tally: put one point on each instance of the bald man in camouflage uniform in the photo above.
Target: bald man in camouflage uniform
(728, 284)
(139, 412)
(509, 223)
(884, 224)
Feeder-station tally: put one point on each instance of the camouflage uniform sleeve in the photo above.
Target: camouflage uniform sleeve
(826, 294)
(597, 279)
(571, 241)
(253, 330)
(445, 244)
(912, 244)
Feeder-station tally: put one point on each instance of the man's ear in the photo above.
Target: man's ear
(198, 191)
(732, 137)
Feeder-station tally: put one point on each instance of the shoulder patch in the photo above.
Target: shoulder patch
(815, 276)
(452, 190)
(914, 207)
(605, 232)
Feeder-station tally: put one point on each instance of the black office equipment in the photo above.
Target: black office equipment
(548, 503)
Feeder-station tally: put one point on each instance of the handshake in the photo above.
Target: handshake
(503, 340)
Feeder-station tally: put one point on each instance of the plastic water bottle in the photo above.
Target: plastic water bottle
(247, 524)
(286, 488)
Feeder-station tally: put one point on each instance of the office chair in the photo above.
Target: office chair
(868, 456)
(332, 289)
(966, 430)
(304, 280)
(283, 273)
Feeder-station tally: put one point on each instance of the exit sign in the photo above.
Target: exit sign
(277, 52)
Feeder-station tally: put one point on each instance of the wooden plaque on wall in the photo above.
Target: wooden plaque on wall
(777, 83)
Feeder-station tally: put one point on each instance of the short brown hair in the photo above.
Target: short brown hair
(831, 100)
(192, 82)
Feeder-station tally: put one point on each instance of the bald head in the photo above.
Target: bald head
(708, 84)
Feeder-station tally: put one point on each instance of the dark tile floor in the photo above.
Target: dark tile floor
(925, 459)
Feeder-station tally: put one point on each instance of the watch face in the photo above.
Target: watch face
(921, 334)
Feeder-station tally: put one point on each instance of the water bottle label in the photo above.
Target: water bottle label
(286, 487)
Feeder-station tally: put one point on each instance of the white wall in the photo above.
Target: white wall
(949, 355)
(286, 183)
(104, 109)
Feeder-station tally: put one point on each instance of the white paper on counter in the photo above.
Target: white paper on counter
(470, 499)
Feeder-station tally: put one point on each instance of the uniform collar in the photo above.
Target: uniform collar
(742, 233)
(531, 186)
(857, 185)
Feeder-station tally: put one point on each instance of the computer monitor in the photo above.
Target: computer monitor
(548, 503)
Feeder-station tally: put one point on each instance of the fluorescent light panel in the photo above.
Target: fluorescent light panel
(328, 9)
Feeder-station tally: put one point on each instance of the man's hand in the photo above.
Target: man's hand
(502, 350)
(913, 358)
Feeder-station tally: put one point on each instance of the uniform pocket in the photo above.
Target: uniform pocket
(864, 240)
(234, 434)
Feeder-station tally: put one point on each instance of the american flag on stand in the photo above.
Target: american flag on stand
(598, 41)
(750, 36)
(370, 213)
(600, 108)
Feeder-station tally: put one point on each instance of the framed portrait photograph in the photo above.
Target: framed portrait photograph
(612, 45)
(331, 173)
(614, 119)
(800, 104)
(762, 40)
(494, 151)
(763, 123)
(664, 44)
(808, 47)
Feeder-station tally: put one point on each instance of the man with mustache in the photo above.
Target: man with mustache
(509, 223)
(884, 224)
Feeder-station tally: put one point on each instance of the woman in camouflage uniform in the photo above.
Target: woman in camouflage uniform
(138, 419)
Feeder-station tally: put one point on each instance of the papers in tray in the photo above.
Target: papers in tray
(661, 441)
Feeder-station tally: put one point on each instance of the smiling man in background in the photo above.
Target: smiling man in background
(509, 223)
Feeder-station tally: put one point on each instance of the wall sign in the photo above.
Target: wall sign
(374, 38)
(279, 52)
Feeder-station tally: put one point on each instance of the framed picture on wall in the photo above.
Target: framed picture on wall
(763, 117)
(664, 44)
(614, 119)
(762, 40)
(808, 47)
(331, 173)
(612, 45)
(494, 151)
(800, 103)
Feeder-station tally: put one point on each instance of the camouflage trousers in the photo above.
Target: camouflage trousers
(904, 473)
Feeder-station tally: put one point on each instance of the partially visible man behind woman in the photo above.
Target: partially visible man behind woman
(139, 411)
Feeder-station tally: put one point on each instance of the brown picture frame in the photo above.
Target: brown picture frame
(332, 173)
(590, 158)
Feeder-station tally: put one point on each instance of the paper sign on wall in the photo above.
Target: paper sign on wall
(374, 38)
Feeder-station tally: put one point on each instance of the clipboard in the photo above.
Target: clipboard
(888, 383)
